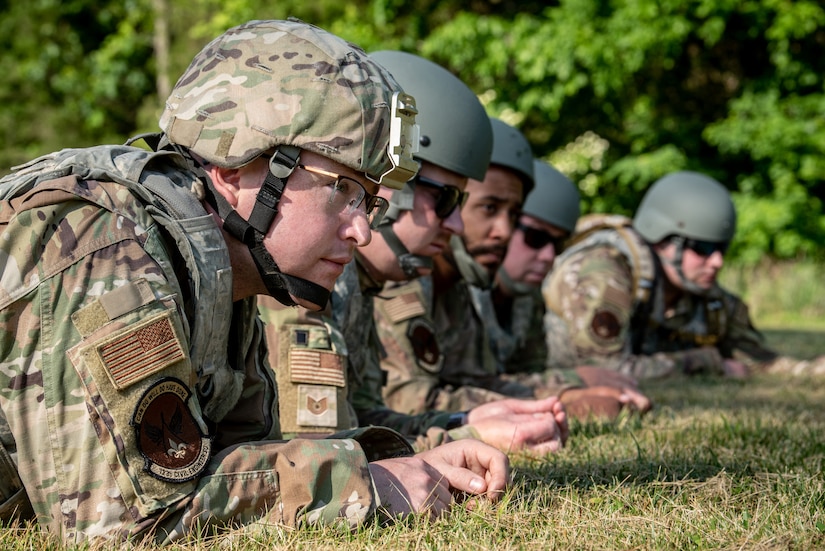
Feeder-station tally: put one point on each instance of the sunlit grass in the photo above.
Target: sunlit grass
(718, 464)
(780, 295)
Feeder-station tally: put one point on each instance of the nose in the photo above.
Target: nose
(454, 223)
(503, 226)
(716, 259)
(547, 253)
(358, 228)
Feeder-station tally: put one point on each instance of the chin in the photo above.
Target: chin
(534, 281)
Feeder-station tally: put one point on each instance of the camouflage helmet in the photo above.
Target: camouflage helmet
(454, 127)
(555, 199)
(686, 204)
(269, 83)
(512, 150)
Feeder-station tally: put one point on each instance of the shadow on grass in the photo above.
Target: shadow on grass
(700, 428)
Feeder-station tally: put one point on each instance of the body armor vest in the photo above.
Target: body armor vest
(649, 333)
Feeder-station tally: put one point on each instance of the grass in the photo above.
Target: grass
(718, 464)
(780, 295)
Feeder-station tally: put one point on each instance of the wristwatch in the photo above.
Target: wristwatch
(455, 420)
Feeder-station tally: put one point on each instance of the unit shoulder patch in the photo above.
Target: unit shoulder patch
(605, 326)
(421, 335)
(168, 437)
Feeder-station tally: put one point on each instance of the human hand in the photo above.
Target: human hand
(601, 376)
(536, 426)
(735, 369)
(425, 482)
(604, 402)
(510, 406)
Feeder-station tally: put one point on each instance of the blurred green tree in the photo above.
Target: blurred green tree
(614, 92)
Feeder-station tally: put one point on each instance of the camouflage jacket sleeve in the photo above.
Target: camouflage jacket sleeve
(102, 402)
(530, 364)
(529, 354)
(741, 335)
(748, 344)
(419, 378)
(591, 290)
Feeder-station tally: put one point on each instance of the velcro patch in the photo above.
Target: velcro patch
(311, 337)
(168, 437)
(404, 307)
(141, 350)
(318, 367)
(317, 406)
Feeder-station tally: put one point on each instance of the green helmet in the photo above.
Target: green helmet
(455, 134)
(512, 150)
(686, 204)
(270, 83)
(555, 199)
(454, 127)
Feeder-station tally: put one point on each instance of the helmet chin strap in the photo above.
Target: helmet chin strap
(515, 287)
(410, 263)
(402, 199)
(470, 270)
(252, 232)
(676, 264)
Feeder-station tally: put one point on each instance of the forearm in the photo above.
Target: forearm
(292, 483)
(693, 361)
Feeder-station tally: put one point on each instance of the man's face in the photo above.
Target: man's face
(524, 262)
(697, 268)
(421, 230)
(490, 215)
(312, 236)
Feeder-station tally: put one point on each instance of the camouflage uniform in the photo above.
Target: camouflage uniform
(345, 330)
(136, 399)
(609, 288)
(440, 350)
(538, 354)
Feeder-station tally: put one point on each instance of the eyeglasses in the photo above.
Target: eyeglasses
(448, 197)
(349, 194)
(706, 248)
(538, 239)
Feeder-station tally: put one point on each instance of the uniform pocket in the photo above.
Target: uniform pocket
(138, 380)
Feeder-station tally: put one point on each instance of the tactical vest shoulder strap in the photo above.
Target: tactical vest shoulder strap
(170, 192)
(597, 229)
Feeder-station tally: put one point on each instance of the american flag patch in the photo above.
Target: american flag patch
(316, 367)
(140, 351)
(404, 307)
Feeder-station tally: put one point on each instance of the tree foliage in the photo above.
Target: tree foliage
(615, 93)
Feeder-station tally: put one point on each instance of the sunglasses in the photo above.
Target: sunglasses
(448, 197)
(538, 239)
(706, 248)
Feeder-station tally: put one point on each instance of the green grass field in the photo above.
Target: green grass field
(718, 464)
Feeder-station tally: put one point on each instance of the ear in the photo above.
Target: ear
(227, 182)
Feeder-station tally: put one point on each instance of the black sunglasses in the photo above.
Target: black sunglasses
(448, 198)
(706, 248)
(538, 239)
